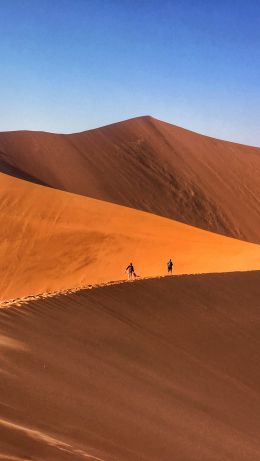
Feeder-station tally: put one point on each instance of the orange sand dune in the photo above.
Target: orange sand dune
(155, 370)
(149, 165)
(52, 240)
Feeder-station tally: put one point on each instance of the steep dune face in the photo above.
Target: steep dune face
(152, 166)
(154, 370)
(51, 240)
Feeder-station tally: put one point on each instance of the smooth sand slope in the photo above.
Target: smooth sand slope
(154, 370)
(51, 240)
(149, 165)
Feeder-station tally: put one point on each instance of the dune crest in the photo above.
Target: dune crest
(150, 165)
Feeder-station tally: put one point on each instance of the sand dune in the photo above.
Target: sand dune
(152, 370)
(54, 240)
(149, 165)
(158, 369)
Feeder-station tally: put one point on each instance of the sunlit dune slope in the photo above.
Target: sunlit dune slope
(51, 240)
(154, 370)
(149, 165)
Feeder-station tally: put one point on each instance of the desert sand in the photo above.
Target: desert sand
(163, 369)
(150, 165)
(53, 240)
(94, 367)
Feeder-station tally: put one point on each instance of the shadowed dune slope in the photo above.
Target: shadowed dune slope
(150, 165)
(156, 370)
(51, 240)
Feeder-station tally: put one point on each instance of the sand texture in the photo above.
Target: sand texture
(163, 369)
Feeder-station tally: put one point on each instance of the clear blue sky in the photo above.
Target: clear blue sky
(71, 65)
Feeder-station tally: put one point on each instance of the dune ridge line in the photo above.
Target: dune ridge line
(50, 294)
(24, 300)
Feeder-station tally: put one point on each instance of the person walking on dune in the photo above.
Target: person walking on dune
(169, 266)
(130, 271)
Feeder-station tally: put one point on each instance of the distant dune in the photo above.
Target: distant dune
(149, 165)
(154, 370)
(51, 240)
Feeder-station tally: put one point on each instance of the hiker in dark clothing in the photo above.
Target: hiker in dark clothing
(169, 266)
(130, 271)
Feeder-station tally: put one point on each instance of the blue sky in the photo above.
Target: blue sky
(71, 65)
